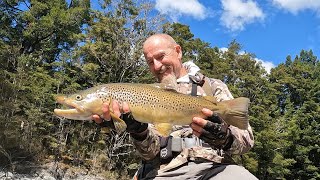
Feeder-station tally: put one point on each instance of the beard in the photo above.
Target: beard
(165, 73)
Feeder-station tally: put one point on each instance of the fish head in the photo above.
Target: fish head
(80, 106)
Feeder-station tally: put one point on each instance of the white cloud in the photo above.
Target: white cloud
(294, 6)
(266, 64)
(223, 49)
(237, 13)
(177, 8)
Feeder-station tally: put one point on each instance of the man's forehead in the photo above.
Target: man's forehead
(154, 51)
(156, 43)
(155, 47)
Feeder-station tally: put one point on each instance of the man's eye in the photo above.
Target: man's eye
(160, 57)
(150, 62)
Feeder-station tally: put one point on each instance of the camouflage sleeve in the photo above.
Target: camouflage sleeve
(220, 90)
(150, 147)
(243, 140)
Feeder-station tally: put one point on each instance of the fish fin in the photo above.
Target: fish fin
(164, 129)
(170, 81)
(170, 88)
(105, 130)
(119, 124)
(210, 98)
(237, 112)
(164, 86)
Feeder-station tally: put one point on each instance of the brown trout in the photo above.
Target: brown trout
(151, 104)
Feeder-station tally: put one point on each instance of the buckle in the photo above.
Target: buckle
(190, 142)
(180, 143)
(176, 144)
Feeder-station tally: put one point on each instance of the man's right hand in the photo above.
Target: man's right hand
(115, 108)
(137, 129)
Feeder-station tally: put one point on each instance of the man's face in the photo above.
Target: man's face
(163, 58)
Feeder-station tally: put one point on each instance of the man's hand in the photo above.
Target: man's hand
(136, 129)
(106, 109)
(213, 130)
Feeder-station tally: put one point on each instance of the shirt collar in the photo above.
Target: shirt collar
(192, 69)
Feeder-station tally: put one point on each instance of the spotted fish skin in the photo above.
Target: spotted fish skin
(152, 104)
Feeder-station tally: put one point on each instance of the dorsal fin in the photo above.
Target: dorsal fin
(169, 82)
(163, 86)
(211, 98)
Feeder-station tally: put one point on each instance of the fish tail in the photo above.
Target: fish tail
(236, 113)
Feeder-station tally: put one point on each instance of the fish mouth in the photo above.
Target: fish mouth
(75, 111)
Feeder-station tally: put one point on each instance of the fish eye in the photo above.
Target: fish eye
(78, 97)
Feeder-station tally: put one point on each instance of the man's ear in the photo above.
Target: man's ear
(179, 51)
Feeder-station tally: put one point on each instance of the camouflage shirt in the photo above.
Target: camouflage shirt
(242, 139)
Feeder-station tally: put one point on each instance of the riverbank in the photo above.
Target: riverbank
(50, 171)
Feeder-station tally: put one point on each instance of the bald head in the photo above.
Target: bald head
(164, 39)
(164, 57)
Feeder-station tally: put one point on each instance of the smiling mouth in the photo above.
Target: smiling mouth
(163, 69)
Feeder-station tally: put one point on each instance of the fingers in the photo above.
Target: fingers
(207, 112)
(96, 119)
(199, 121)
(197, 130)
(125, 107)
(116, 108)
(105, 114)
(197, 125)
(206, 129)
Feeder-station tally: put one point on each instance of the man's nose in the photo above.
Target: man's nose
(157, 65)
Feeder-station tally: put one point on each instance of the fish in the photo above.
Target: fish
(151, 103)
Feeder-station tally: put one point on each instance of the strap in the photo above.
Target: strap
(203, 81)
(165, 149)
(194, 89)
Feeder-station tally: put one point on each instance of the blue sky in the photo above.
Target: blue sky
(271, 29)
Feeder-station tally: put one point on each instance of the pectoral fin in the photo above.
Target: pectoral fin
(164, 129)
(105, 130)
(119, 124)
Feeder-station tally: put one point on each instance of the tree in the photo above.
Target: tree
(113, 41)
(298, 99)
(33, 34)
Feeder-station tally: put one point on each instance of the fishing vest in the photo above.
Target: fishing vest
(199, 85)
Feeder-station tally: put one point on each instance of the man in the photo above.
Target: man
(199, 151)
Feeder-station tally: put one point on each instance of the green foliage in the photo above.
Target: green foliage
(284, 104)
(33, 34)
(297, 83)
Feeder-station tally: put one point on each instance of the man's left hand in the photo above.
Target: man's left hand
(213, 130)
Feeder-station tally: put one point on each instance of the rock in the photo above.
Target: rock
(53, 171)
